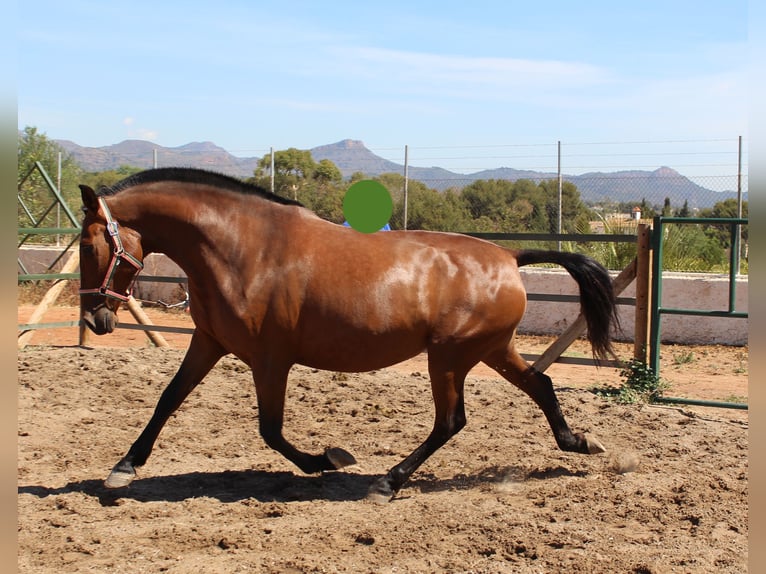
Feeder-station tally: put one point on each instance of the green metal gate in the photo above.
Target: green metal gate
(657, 310)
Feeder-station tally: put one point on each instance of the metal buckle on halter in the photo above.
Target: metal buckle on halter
(112, 228)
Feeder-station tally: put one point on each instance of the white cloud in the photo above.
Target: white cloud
(484, 77)
(713, 105)
(134, 132)
(145, 134)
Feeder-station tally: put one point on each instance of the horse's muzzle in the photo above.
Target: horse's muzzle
(101, 321)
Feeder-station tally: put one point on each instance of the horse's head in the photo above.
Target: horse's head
(110, 259)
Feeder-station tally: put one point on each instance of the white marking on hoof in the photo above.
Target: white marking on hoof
(119, 478)
(378, 497)
(339, 457)
(594, 446)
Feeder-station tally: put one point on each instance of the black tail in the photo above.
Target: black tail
(597, 299)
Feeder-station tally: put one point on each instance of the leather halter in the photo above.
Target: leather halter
(118, 254)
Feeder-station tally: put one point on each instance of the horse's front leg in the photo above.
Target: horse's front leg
(203, 353)
(270, 387)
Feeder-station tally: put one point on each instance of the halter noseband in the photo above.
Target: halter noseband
(118, 254)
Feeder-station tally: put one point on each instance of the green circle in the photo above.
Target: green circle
(367, 206)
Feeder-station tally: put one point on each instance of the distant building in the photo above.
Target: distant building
(619, 221)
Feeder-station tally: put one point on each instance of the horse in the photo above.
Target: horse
(275, 285)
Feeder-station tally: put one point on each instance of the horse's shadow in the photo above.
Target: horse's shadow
(269, 486)
(227, 486)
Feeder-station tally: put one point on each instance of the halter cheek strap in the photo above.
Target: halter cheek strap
(118, 254)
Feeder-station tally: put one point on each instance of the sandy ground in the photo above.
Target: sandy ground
(499, 497)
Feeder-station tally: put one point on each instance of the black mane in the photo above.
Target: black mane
(193, 175)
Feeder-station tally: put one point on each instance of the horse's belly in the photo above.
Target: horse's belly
(359, 353)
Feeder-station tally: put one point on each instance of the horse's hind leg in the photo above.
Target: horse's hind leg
(540, 388)
(447, 388)
(202, 355)
(270, 387)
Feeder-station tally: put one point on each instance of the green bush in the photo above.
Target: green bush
(641, 385)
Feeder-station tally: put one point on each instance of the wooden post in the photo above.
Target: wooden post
(142, 318)
(84, 334)
(50, 298)
(643, 292)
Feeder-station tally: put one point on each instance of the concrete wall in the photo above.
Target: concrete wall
(701, 291)
(679, 290)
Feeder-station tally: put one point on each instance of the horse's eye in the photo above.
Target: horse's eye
(87, 249)
(84, 209)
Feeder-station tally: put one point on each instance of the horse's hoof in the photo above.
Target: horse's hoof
(119, 478)
(378, 497)
(380, 492)
(594, 446)
(339, 457)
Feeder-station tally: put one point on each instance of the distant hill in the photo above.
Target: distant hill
(663, 182)
(140, 153)
(352, 156)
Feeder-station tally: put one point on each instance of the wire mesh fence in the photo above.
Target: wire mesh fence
(643, 178)
(700, 172)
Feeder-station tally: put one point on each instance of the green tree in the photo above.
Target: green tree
(32, 147)
(487, 203)
(431, 210)
(689, 248)
(725, 208)
(575, 215)
(318, 186)
(326, 173)
(667, 210)
(684, 211)
(324, 200)
(394, 183)
(647, 211)
(109, 177)
(293, 168)
(523, 206)
(530, 209)
(722, 233)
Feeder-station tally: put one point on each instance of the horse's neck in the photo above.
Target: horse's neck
(179, 225)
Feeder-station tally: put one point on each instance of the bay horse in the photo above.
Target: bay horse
(275, 285)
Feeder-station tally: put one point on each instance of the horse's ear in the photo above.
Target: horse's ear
(89, 199)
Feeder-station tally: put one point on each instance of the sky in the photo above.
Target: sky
(465, 85)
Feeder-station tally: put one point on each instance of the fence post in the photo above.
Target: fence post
(643, 292)
(406, 183)
(143, 319)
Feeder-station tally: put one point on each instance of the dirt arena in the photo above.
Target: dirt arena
(499, 497)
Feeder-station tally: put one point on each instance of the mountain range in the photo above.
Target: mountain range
(351, 156)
